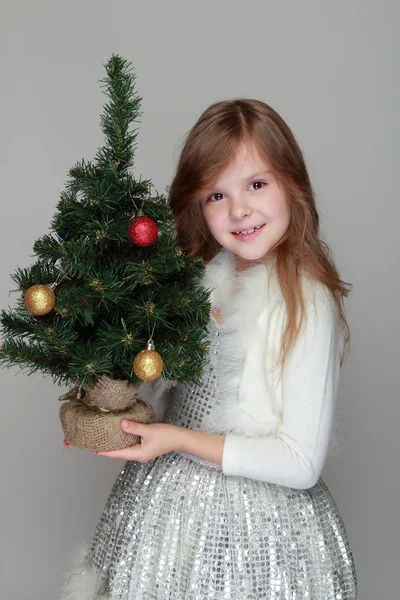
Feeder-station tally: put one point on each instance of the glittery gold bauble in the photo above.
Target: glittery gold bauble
(148, 364)
(39, 300)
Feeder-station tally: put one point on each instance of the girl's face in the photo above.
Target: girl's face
(246, 210)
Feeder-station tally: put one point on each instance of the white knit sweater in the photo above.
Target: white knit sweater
(277, 429)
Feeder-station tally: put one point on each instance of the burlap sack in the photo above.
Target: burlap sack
(110, 394)
(90, 422)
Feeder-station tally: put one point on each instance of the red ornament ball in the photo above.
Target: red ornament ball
(142, 231)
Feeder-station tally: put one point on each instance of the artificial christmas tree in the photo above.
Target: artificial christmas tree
(111, 299)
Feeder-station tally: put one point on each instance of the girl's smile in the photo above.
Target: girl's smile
(250, 234)
(247, 211)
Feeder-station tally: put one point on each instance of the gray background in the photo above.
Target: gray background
(330, 69)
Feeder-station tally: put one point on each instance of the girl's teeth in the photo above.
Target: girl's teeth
(249, 231)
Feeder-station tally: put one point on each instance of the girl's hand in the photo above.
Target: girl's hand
(160, 438)
(156, 439)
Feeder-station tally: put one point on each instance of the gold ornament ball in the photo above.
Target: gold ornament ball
(39, 300)
(148, 365)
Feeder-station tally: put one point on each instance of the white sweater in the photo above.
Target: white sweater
(276, 429)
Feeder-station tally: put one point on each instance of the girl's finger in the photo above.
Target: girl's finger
(125, 453)
(132, 427)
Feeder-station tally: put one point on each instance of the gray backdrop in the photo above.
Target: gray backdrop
(330, 69)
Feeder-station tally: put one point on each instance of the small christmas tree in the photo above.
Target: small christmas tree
(110, 278)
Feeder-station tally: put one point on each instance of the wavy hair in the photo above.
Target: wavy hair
(209, 148)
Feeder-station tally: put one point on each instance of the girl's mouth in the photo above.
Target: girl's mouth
(248, 234)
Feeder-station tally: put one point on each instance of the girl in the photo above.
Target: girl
(224, 499)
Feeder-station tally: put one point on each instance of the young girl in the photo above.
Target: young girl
(224, 499)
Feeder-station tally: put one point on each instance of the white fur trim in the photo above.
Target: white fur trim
(80, 581)
(257, 297)
(241, 298)
(219, 276)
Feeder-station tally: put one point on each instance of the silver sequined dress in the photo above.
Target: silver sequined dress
(177, 528)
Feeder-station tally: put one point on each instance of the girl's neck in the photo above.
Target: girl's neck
(242, 264)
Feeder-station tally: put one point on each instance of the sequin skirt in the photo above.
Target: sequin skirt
(179, 530)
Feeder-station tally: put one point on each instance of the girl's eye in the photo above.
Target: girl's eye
(258, 184)
(218, 196)
(210, 198)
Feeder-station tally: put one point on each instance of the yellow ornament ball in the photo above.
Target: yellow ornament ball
(148, 364)
(39, 300)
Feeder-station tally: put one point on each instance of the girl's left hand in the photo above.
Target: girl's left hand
(161, 438)
(156, 439)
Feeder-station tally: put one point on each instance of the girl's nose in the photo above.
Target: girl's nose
(240, 208)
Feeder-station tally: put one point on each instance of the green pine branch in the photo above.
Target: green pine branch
(110, 295)
(119, 113)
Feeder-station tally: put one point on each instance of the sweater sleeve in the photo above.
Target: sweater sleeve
(294, 457)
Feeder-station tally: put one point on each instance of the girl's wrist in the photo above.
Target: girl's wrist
(205, 445)
(180, 438)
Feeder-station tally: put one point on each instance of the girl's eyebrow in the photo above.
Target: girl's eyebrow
(258, 174)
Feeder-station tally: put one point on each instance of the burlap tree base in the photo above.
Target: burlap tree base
(91, 418)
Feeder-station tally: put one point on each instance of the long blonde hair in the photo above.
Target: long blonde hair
(209, 148)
